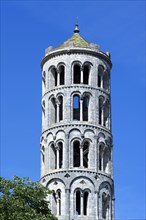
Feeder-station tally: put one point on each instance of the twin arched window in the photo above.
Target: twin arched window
(57, 76)
(81, 198)
(56, 202)
(80, 154)
(56, 155)
(56, 109)
(81, 75)
(104, 158)
(80, 108)
(105, 206)
(103, 78)
(104, 113)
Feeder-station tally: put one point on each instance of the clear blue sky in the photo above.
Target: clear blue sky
(27, 28)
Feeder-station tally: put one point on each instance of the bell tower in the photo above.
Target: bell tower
(76, 141)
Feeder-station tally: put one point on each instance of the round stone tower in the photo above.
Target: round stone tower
(76, 140)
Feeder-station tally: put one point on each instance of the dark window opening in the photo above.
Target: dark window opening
(85, 203)
(60, 154)
(86, 75)
(76, 154)
(60, 108)
(99, 81)
(85, 154)
(85, 108)
(54, 72)
(78, 203)
(59, 198)
(100, 161)
(61, 75)
(76, 107)
(77, 74)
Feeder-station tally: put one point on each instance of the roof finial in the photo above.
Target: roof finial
(76, 30)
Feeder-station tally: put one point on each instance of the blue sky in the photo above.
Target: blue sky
(27, 28)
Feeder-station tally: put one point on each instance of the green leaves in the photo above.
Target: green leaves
(21, 199)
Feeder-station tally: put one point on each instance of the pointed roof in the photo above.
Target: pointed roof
(76, 40)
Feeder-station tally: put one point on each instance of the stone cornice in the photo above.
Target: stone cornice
(76, 51)
(75, 124)
(73, 86)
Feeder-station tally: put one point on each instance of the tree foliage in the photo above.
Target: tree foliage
(22, 199)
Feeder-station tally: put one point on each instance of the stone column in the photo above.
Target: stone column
(57, 104)
(82, 203)
(82, 75)
(58, 78)
(81, 156)
(57, 151)
(67, 191)
(81, 110)
(102, 81)
(102, 116)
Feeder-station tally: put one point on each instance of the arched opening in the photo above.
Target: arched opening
(105, 206)
(77, 74)
(43, 114)
(54, 203)
(60, 98)
(53, 157)
(54, 74)
(85, 154)
(62, 73)
(60, 145)
(53, 111)
(76, 107)
(44, 82)
(85, 108)
(101, 152)
(106, 116)
(59, 202)
(100, 114)
(106, 160)
(43, 154)
(76, 154)
(106, 81)
(100, 76)
(78, 203)
(85, 203)
(86, 74)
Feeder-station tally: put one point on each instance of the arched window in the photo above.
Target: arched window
(43, 155)
(85, 108)
(105, 206)
(44, 82)
(76, 74)
(60, 148)
(59, 202)
(54, 75)
(104, 158)
(78, 203)
(100, 76)
(76, 153)
(85, 202)
(53, 111)
(106, 81)
(53, 157)
(86, 74)
(85, 154)
(60, 99)
(81, 206)
(100, 120)
(43, 113)
(54, 203)
(62, 73)
(106, 116)
(76, 107)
